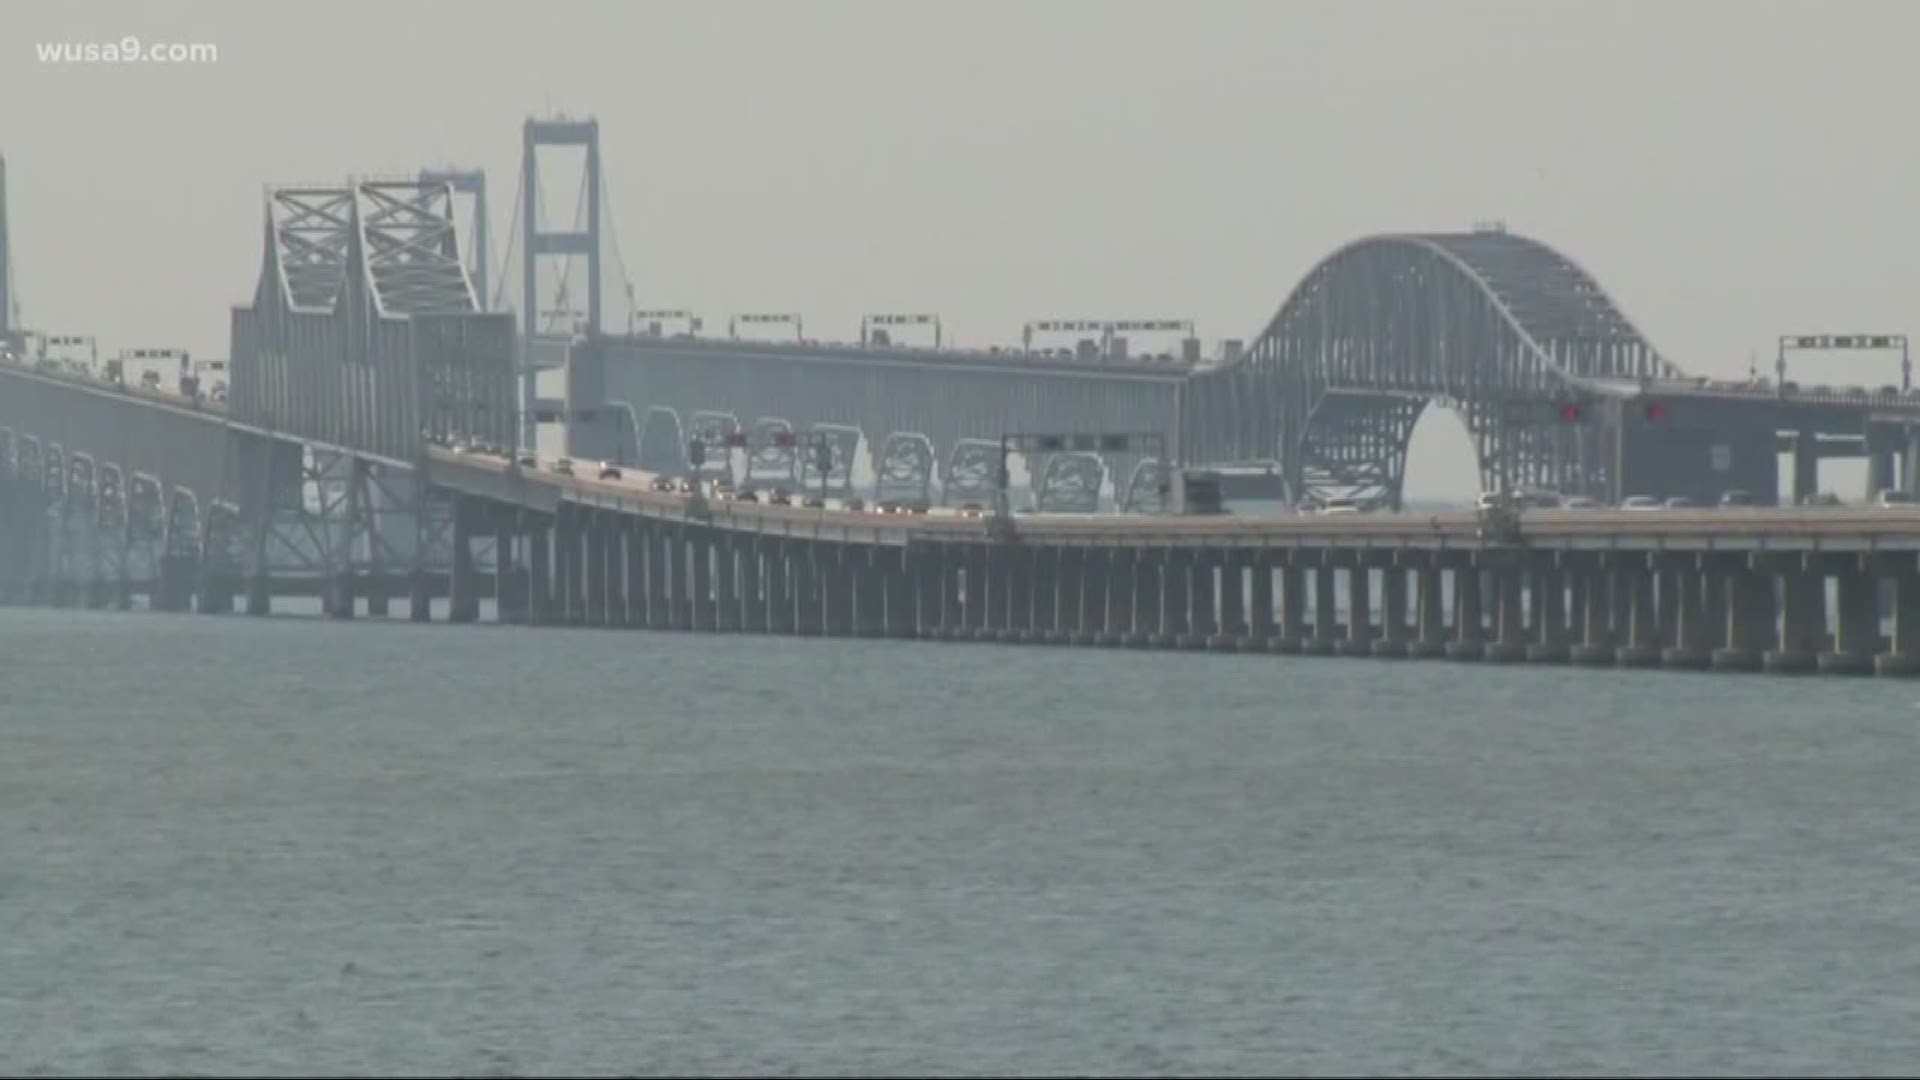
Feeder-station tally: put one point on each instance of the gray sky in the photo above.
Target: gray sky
(1728, 170)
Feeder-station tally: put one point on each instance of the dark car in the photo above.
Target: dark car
(854, 505)
(815, 502)
(780, 497)
(684, 486)
(528, 461)
(972, 510)
(662, 483)
(609, 472)
(1736, 498)
(747, 496)
(563, 467)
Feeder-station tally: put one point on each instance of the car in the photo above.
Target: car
(563, 467)
(609, 471)
(528, 461)
(1579, 502)
(919, 508)
(1736, 497)
(1681, 502)
(1489, 500)
(780, 497)
(1821, 498)
(1340, 506)
(685, 485)
(1537, 499)
(1640, 502)
(1890, 497)
(747, 496)
(853, 505)
(972, 510)
(461, 446)
(661, 483)
(814, 502)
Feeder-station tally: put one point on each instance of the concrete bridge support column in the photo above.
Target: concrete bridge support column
(1690, 649)
(1749, 617)
(703, 608)
(1903, 659)
(975, 592)
(1203, 601)
(1234, 630)
(753, 602)
(1175, 583)
(779, 586)
(633, 546)
(259, 593)
(680, 575)
(1359, 639)
(1469, 626)
(1394, 631)
(595, 526)
(1291, 581)
(836, 595)
(869, 590)
(1509, 645)
(539, 572)
(1642, 647)
(999, 590)
(617, 535)
(895, 569)
(509, 601)
(1147, 601)
(1713, 593)
(1064, 608)
(1326, 627)
(1858, 636)
(1260, 622)
(1803, 623)
(1047, 587)
(1109, 580)
(659, 585)
(1094, 588)
(804, 565)
(1431, 610)
(1547, 644)
(1596, 645)
(933, 588)
(570, 565)
(1806, 467)
(463, 594)
(1667, 603)
(726, 581)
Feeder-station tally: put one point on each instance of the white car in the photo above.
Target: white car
(1642, 502)
(1892, 497)
(1579, 502)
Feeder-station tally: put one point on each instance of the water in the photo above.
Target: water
(275, 846)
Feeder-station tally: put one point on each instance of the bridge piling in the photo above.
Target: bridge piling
(1359, 639)
(1803, 617)
(1325, 639)
(539, 532)
(1235, 631)
(1469, 625)
(1858, 636)
(1748, 617)
(1596, 646)
(1903, 657)
(1547, 600)
(1642, 646)
(1510, 632)
(463, 601)
(1394, 632)
(1115, 621)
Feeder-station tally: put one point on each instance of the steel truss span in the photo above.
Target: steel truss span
(1502, 328)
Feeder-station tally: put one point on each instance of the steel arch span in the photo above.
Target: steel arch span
(1502, 328)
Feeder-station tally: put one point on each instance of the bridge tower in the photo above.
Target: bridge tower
(471, 182)
(549, 323)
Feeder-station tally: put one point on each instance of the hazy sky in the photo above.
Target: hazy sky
(1728, 170)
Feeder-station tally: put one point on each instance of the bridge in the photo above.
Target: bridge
(366, 449)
